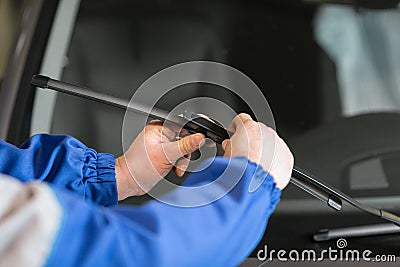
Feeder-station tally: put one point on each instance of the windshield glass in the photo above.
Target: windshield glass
(329, 72)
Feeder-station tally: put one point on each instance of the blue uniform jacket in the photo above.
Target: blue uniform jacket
(72, 218)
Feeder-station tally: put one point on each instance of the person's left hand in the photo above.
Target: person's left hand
(153, 154)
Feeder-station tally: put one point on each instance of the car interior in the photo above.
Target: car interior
(329, 73)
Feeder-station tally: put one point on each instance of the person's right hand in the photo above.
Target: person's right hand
(262, 145)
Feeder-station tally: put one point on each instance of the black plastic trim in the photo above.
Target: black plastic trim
(17, 99)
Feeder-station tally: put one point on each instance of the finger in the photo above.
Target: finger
(173, 127)
(225, 143)
(238, 121)
(184, 146)
(181, 165)
(155, 122)
(171, 134)
(158, 133)
(196, 115)
(183, 132)
(205, 117)
(168, 129)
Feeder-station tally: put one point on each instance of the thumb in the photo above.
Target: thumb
(184, 146)
(225, 143)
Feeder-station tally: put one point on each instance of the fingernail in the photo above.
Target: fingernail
(198, 139)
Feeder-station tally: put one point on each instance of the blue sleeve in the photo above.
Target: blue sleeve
(222, 233)
(64, 162)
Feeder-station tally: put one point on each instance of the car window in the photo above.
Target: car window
(330, 74)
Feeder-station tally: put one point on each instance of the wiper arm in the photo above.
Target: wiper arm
(334, 196)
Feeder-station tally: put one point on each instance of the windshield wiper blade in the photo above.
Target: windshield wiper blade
(307, 182)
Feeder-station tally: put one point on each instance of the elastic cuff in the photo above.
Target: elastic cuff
(99, 178)
(262, 178)
(268, 181)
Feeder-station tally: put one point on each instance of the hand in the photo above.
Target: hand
(153, 154)
(262, 145)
